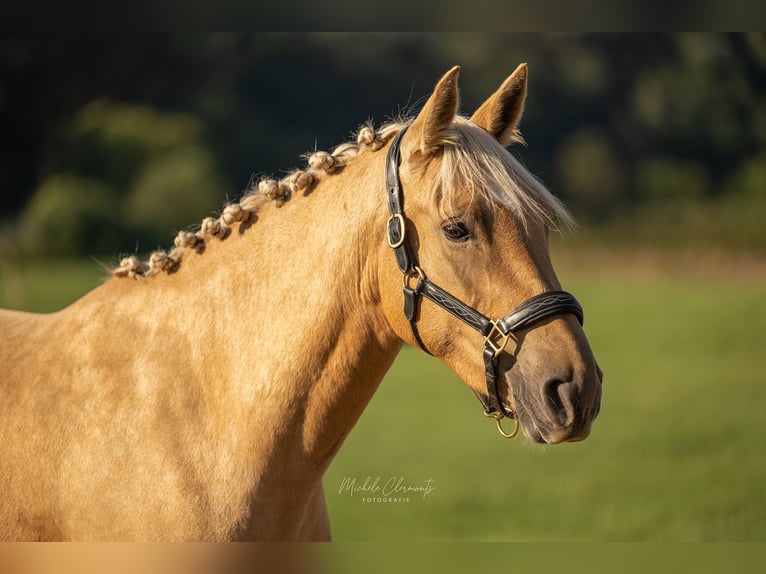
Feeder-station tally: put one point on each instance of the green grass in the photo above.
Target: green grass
(677, 453)
(48, 285)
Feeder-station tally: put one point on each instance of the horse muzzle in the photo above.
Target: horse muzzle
(562, 409)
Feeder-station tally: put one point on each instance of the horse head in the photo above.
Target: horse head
(469, 229)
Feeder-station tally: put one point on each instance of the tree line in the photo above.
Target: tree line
(112, 143)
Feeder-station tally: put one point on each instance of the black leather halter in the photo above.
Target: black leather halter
(495, 333)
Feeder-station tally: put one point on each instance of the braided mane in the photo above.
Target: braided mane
(472, 161)
(257, 193)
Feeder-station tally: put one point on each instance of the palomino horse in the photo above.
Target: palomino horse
(202, 394)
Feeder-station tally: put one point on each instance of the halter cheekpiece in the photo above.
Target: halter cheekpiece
(415, 285)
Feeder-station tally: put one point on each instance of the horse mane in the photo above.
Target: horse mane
(257, 193)
(472, 161)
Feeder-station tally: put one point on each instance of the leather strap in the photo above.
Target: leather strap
(455, 307)
(397, 225)
(493, 404)
(538, 308)
(411, 310)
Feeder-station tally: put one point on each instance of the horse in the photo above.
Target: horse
(202, 393)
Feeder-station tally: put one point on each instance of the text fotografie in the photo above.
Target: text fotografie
(395, 486)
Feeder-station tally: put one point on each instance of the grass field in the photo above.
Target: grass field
(677, 454)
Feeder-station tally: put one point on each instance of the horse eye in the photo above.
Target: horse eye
(456, 231)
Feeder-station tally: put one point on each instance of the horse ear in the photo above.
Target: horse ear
(500, 114)
(429, 129)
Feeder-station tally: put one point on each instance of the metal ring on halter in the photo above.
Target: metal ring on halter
(498, 417)
(411, 274)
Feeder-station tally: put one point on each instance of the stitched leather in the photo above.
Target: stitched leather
(455, 306)
(538, 308)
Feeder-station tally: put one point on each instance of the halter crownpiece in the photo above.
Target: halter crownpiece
(415, 285)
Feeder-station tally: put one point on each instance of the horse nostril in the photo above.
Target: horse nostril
(554, 401)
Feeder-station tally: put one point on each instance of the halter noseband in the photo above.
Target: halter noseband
(495, 333)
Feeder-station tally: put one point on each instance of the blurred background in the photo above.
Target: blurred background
(110, 144)
(651, 138)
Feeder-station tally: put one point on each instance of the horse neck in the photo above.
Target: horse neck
(326, 331)
(285, 316)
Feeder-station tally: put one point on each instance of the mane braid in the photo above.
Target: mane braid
(256, 195)
(472, 161)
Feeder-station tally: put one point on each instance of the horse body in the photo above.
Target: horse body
(206, 402)
(197, 405)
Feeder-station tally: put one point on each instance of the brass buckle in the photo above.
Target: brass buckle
(496, 339)
(411, 274)
(498, 417)
(402, 230)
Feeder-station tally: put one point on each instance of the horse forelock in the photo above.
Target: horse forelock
(472, 162)
(475, 163)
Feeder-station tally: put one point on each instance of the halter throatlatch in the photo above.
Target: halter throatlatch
(416, 285)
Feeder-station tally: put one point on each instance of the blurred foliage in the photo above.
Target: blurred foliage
(660, 135)
(590, 166)
(69, 214)
(166, 179)
(667, 177)
(173, 190)
(749, 178)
